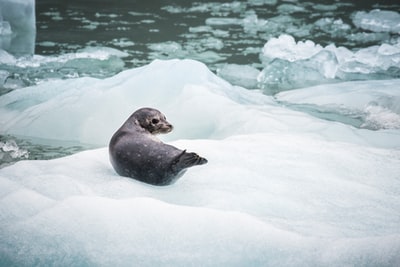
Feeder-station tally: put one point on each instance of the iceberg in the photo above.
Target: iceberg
(282, 187)
(17, 26)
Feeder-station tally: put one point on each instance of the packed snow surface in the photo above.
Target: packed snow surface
(282, 187)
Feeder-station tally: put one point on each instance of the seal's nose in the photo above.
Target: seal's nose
(170, 127)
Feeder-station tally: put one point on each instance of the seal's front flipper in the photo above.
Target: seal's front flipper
(186, 160)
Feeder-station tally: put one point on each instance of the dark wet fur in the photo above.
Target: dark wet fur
(135, 153)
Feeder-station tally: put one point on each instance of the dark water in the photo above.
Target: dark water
(14, 148)
(132, 26)
(213, 32)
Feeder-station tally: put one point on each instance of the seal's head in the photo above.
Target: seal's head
(152, 121)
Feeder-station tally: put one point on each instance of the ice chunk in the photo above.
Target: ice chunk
(372, 62)
(10, 152)
(285, 47)
(335, 27)
(372, 105)
(368, 37)
(242, 75)
(200, 29)
(223, 21)
(213, 8)
(285, 75)
(380, 114)
(378, 20)
(167, 47)
(323, 7)
(91, 61)
(196, 49)
(263, 2)
(292, 65)
(289, 8)
(252, 24)
(206, 57)
(211, 43)
(17, 17)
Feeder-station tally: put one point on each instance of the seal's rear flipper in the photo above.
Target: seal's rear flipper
(186, 160)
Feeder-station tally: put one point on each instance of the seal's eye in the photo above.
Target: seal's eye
(155, 121)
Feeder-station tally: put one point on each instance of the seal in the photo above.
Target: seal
(136, 152)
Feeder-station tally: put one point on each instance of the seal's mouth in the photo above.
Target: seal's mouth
(167, 128)
(163, 129)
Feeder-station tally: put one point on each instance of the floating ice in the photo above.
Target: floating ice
(378, 20)
(291, 65)
(289, 8)
(214, 8)
(223, 21)
(9, 152)
(322, 7)
(282, 188)
(368, 37)
(373, 104)
(262, 2)
(281, 74)
(166, 50)
(91, 61)
(251, 23)
(242, 75)
(197, 49)
(285, 47)
(335, 27)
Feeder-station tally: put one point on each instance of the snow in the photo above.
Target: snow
(282, 187)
